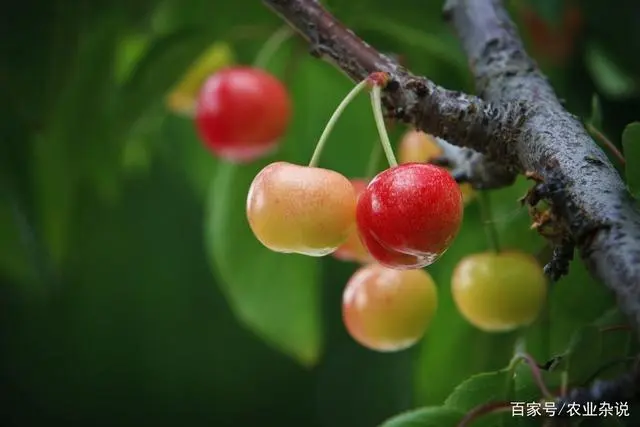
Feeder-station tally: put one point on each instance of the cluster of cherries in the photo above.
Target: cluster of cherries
(394, 225)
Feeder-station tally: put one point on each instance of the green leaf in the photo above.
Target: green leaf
(482, 389)
(14, 256)
(162, 64)
(631, 147)
(478, 390)
(433, 416)
(583, 353)
(610, 77)
(596, 112)
(275, 294)
(75, 144)
(130, 50)
(526, 389)
(188, 152)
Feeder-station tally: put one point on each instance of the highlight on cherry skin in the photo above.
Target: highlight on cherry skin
(301, 209)
(408, 215)
(242, 113)
(352, 249)
(388, 310)
(499, 292)
(420, 147)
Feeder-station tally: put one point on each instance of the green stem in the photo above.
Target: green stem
(374, 160)
(376, 103)
(272, 44)
(487, 221)
(315, 158)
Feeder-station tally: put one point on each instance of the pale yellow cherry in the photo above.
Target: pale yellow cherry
(301, 209)
(420, 147)
(499, 292)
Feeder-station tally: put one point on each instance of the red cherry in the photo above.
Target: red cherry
(242, 113)
(409, 215)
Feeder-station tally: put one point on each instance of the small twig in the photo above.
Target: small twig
(537, 374)
(622, 327)
(606, 142)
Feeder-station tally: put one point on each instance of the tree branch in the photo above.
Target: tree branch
(518, 126)
(585, 191)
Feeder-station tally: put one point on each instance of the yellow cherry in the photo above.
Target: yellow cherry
(301, 209)
(499, 292)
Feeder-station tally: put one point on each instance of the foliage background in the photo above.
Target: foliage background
(131, 288)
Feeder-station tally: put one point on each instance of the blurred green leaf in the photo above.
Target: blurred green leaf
(130, 50)
(526, 389)
(434, 416)
(610, 78)
(431, 44)
(482, 389)
(75, 142)
(479, 389)
(189, 154)
(583, 353)
(160, 67)
(275, 294)
(596, 112)
(631, 147)
(14, 258)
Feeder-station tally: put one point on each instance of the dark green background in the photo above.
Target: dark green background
(134, 294)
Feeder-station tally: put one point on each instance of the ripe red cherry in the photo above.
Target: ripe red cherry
(409, 215)
(242, 113)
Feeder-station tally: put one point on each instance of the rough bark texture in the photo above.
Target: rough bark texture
(517, 124)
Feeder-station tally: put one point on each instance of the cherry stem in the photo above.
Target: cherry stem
(315, 158)
(272, 44)
(374, 159)
(487, 221)
(537, 375)
(376, 103)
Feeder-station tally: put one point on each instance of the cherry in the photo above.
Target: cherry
(419, 147)
(388, 310)
(499, 292)
(353, 249)
(409, 214)
(242, 113)
(301, 209)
